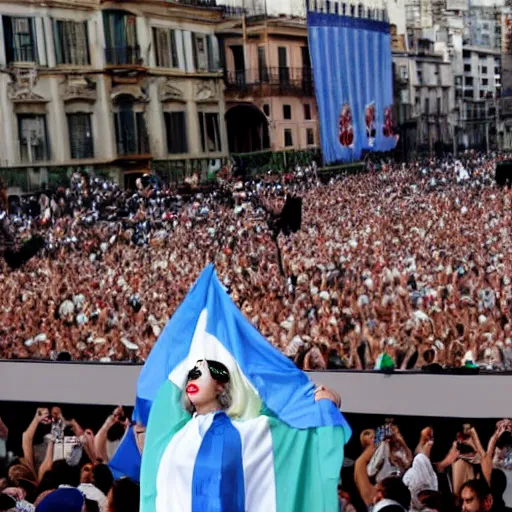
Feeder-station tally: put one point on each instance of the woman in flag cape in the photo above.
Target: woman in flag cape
(232, 424)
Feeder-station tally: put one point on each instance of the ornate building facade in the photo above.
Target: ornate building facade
(113, 87)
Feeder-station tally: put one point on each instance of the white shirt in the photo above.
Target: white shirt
(94, 494)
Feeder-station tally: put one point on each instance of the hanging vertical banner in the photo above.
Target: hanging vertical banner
(352, 68)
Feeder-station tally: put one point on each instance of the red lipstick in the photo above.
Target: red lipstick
(192, 389)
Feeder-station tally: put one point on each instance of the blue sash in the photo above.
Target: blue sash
(218, 479)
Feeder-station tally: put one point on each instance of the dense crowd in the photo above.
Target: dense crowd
(64, 467)
(405, 266)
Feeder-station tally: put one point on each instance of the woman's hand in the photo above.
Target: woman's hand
(325, 393)
(16, 493)
(42, 416)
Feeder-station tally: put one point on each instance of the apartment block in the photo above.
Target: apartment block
(425, 99)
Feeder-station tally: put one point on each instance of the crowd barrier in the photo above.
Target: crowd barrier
(408, 394)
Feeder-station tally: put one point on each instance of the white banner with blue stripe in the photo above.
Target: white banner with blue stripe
(352, 68)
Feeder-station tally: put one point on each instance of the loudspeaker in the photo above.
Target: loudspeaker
(504, 173)
(291, 215)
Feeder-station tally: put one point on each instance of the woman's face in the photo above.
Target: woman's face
(201, 389)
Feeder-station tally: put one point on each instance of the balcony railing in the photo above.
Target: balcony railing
(23, 54)
(198, 3)
(123, 56)
(130, 144)
(263, 81)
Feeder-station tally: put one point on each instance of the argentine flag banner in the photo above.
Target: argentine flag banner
(275, 449)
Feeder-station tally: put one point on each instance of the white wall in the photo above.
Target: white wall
(408, 394)
(396, 13)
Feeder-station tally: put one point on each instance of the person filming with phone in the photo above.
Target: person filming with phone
(473, 461)
(392, 456)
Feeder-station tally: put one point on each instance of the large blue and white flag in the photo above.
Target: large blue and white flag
(353, 74)
(289, 448)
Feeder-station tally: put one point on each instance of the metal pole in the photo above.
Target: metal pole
(497, 113)
(430, 142)
(487, 136)
(454, 137)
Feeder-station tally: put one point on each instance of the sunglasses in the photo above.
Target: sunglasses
(218, 372)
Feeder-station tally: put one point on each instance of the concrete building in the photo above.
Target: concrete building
(469, 33)
(505, 100)
(480, 87)
(117, 87)
(270, 97)
(477, 97)
(425, 100)
(482, 27)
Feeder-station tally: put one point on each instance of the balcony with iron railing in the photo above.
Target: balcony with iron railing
(267, 81)
(198, 3)
(479, 115)
(124, 56)
(133, 145)
(22, 54)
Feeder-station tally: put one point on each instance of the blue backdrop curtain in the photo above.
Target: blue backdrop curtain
(352, 68)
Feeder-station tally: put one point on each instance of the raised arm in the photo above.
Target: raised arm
(100, 440)
(491, 447)
(47, 462)
(486, 461)
(361, 478)
(42, 416)
(450, 458)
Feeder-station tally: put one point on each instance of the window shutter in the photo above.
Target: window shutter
(131, 30)
(33, 38)
(81, 43)
(174, 50)
(195, 51)
(209, 47)
(184, 138)
(57, 41)
(72, 42)
(163, 51)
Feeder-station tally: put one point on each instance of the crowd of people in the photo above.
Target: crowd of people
(404, 266)
(64, 467)
(470, 477)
